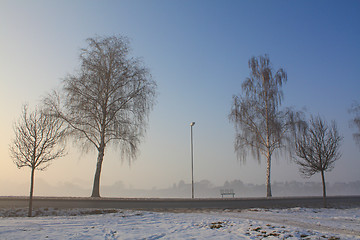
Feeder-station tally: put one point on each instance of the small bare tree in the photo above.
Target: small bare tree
(259, 123)
(37, 142)
(317, 149)
(108, 100)
(355, 122)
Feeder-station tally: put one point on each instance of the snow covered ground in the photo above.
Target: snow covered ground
(294, 223)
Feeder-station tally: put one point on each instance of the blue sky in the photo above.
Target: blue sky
(198, 53)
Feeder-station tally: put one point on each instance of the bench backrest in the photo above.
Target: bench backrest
(226, 191)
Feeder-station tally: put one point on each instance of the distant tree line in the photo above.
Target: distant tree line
(206, 189)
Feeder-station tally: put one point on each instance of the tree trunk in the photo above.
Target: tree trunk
(96, 186)
(31, 192)
(324, 187)
(268, 182)
(268, 158)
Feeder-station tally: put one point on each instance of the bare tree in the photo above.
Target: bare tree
(259, 123)
(108, 100)
(317, 149)
(355, 122)
(37, 142)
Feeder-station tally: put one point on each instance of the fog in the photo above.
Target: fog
(203, 189)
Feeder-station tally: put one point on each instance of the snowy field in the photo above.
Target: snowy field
(294, 223)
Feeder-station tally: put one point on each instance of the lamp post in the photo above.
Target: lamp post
(192, 160)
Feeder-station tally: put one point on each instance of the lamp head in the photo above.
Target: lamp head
(192, 124)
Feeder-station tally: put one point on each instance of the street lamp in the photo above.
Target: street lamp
(192, 161)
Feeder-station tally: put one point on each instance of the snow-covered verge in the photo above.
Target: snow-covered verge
(295, 223)
(46, 212)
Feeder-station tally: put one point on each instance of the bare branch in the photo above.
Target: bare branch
(38, 140)
(317, 148)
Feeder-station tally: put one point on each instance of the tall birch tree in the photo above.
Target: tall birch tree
(108, 100)
(260, 125)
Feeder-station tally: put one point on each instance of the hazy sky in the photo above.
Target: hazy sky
(198, 53)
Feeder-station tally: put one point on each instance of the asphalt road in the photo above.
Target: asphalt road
(177, 203)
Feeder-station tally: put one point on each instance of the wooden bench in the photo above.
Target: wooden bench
(227, 192)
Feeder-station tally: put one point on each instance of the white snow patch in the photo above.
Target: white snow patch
(295, 223)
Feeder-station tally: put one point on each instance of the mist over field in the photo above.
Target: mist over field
(203, 189)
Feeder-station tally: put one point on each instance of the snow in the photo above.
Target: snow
(294, 223)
